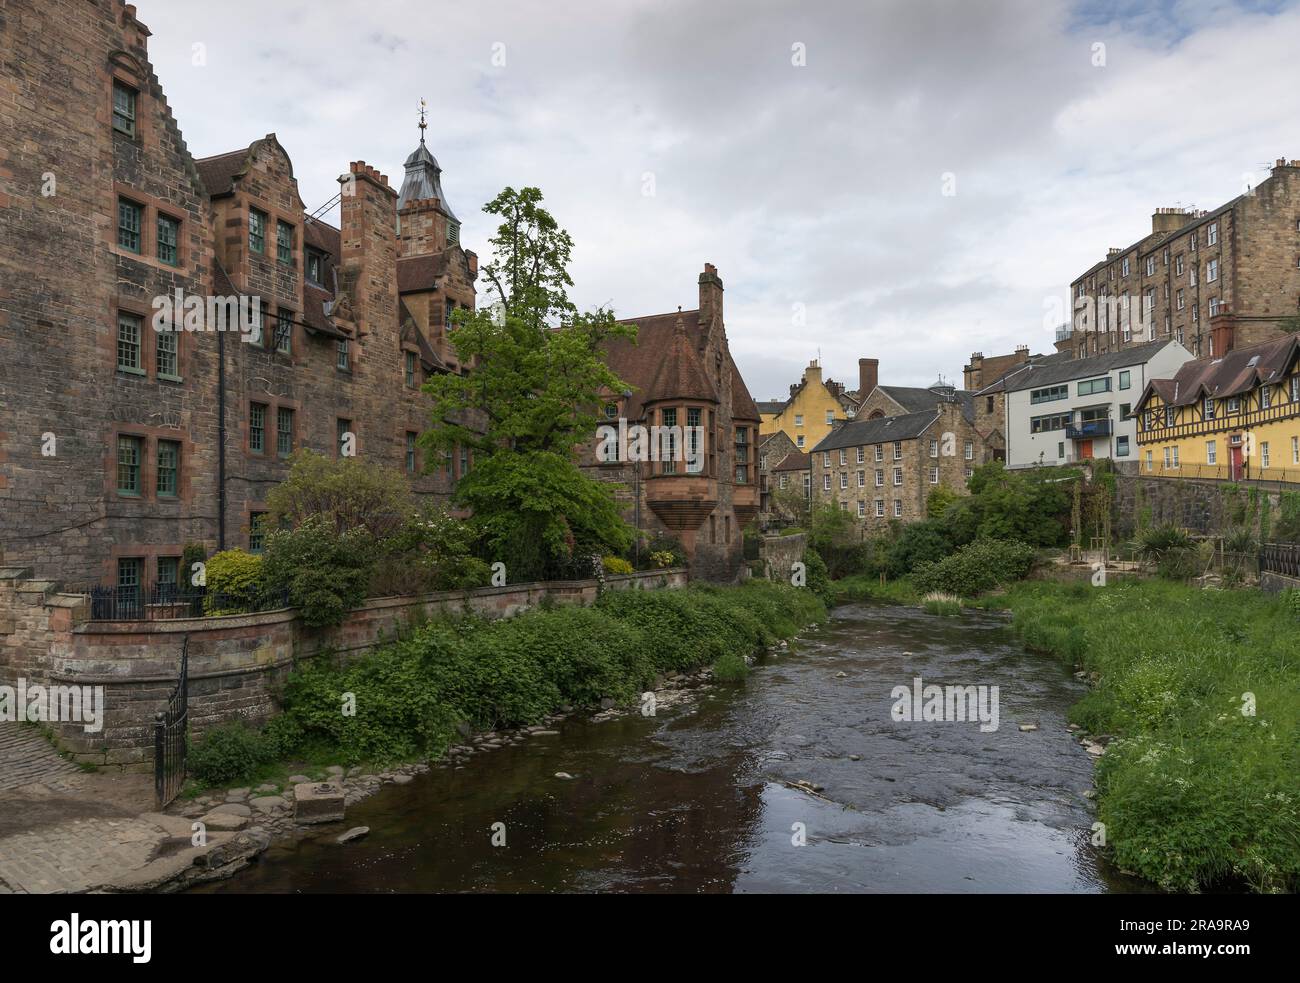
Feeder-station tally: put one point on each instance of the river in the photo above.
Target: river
(695, 799)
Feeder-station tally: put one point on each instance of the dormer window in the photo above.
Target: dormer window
(315, 267)
(124, 103)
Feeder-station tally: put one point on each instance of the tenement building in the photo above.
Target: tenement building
(132, 425)
(884, 469)
(1211, 280)
(812, 408)
(1235, 418)
(702, 486)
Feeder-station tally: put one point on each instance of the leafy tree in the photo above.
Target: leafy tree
(324, 570)
(536, 382)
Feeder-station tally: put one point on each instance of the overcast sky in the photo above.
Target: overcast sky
(666, 133)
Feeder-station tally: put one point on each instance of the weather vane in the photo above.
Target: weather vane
(423, 125)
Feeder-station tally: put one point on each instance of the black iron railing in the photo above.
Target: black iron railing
(169, 736)
(162, 602)
(1283, 558)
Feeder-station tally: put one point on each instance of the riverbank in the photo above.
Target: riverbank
(1193, 715)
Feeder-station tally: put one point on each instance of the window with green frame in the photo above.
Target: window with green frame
(410, 369)
(284, 431)
(169, 234)
(166, 347)
(1089, 387)
(410, 451)
(256, 230)
(284, 331)
(283, 242)
(256, 531)
(257, 428)
(129, 453)
(169, 467)
(124, 102)
(169, 568)
(668, 418)
(130, 576)
(129, 221)
(129, 330)
(341, 354)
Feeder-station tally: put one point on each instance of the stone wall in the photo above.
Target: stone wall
(1201, 506)
(780, 553)
(237, 662)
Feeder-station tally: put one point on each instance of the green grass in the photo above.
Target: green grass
(1195, 794)
(863, 587)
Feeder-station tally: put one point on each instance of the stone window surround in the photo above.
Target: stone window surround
(241, 203)
(122, 68)
(270, 427)
(150, 554)
(149, 437)
(150, 207)
(148, 343)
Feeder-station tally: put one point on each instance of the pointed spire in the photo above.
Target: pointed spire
(422, 180)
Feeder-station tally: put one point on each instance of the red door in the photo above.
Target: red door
(1085, 450)
(1236, 464)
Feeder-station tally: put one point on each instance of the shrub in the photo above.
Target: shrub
(920, 542)
(1156, 540)
(431, 551)
(818, 577)
(227, 754)
(663, 558)
(235, 581)
(325, 572)
(730, 668)
(615, 565)
(975, 568)
(347, 492)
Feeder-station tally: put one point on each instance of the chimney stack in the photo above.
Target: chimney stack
(1168, 219)
(868, 376)
(710, 301)
(368, 231)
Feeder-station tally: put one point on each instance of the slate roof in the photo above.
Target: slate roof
(878, 431)
(1049, 373)
(219, 172)
(1237, 372)
(771, 405)
(796, 460)
(914, 399)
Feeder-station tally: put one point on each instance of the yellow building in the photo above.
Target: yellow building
(806, 417)
(1235, 418)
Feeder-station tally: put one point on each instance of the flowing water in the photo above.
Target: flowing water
(695, 799)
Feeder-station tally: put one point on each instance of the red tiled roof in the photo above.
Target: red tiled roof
(742, 404)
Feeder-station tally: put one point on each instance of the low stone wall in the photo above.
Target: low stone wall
(236, 662)
(780, 553)
(1199, 505)
(1275, 583)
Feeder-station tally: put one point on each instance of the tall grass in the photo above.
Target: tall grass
(1195, 794)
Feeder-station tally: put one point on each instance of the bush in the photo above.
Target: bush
(818, 577)
(227, 754)
(730, 668)
(347, 492)
(615, 565)
(975, 568)
(431, 551)
(325, 572)
(920, 542)
(1157, 540)
(235, 583)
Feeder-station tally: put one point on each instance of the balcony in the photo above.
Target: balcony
(1088, 430)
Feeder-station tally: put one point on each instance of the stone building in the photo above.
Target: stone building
(1210, 280)
(780, 465)
(682, 378)
(130, 427)
(883, 469)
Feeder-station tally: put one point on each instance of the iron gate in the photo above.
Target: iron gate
(169, 736)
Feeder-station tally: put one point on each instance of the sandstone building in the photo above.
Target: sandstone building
(1210, 280)
(120, 443)
(813, 406)
(680, 374)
